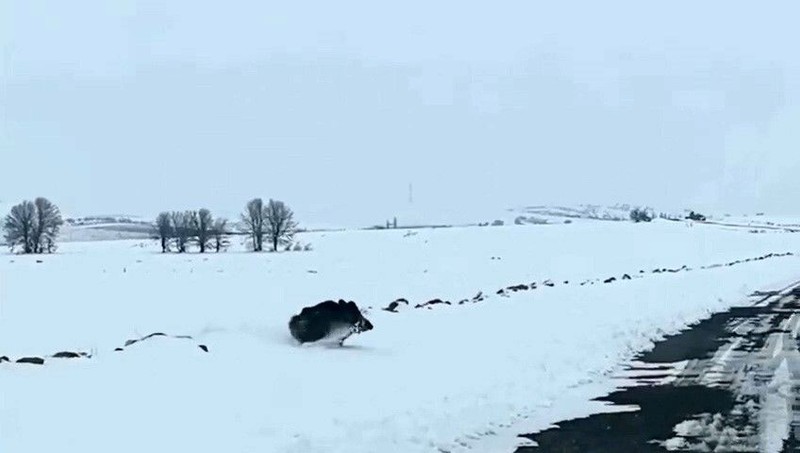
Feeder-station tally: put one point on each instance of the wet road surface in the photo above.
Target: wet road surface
(728, 383)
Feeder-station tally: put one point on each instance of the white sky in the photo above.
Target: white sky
(141, 106)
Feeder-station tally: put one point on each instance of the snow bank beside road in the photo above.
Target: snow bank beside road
(449, 379)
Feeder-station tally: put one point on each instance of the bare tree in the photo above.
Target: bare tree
(19, 226)
(641, 215)
(280, 223)
(219, 235)
(254, 220)
(47, 225)
(182, 228)
(203, 224)
(165, 230)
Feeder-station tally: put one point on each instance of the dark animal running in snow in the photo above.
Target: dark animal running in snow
(328, 320)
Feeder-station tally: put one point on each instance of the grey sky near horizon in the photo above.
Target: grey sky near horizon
(335, 107)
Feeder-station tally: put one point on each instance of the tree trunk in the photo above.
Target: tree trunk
(163, 245)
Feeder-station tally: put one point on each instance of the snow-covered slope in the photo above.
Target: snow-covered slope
(454, 378)
(591, 212)
(105, 232)
(106, 227)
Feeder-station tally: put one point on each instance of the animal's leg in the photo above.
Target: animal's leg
(341, 341)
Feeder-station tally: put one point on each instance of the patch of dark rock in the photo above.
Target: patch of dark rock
(432, 302)
(626, 277)
(68, 355)
(392, 307)
(610, 280)
(118, 349)
(155, 334)
(4, 359)
(203, 347)
(32, 360)
(548, 283)
(520, 287)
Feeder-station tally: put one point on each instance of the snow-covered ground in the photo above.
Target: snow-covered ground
(452, 379)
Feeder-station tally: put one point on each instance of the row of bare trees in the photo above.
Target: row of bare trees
(32, 227)
(179, 229)
(271, 223)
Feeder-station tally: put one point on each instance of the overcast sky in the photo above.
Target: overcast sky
(335, 107)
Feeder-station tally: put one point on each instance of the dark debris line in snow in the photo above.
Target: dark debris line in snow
(394, 306)
(40, 360)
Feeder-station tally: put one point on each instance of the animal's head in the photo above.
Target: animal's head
(363, 324)
(360, 323)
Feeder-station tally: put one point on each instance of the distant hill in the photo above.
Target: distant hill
(105, 228)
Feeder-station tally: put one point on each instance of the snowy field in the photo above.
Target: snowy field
(451, 379)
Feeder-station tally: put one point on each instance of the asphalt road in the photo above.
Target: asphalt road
(728, 383)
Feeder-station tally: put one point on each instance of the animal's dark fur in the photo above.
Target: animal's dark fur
(324, 320)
